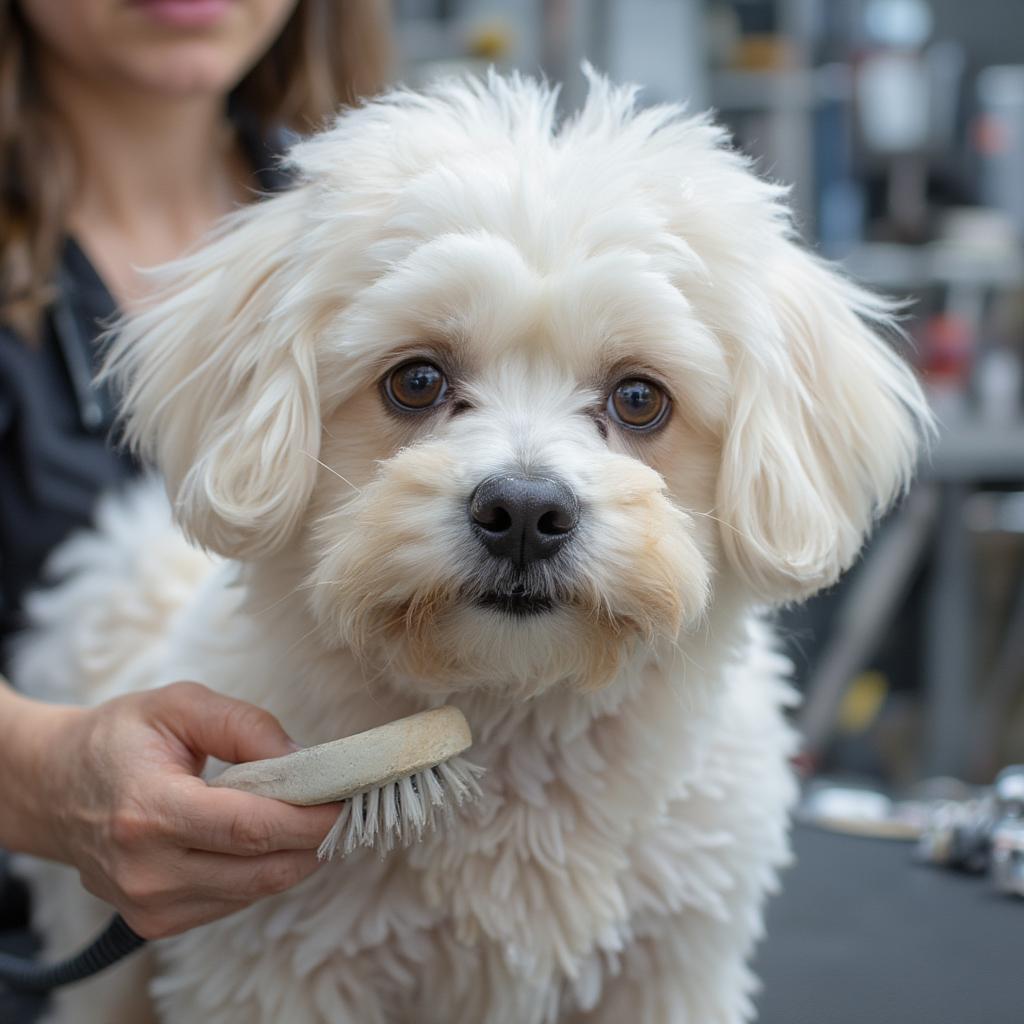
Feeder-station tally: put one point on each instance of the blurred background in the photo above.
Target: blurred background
(900, 126)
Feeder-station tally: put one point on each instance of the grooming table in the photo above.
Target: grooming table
(862, 934)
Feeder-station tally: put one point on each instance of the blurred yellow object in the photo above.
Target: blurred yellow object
(763, 52)
(490, 40)
(862, 702)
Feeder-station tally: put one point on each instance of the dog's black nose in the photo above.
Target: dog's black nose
(523, 518)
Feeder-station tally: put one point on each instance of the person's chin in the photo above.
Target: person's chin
(185, 70)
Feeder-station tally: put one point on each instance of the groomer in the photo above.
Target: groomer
(126, 131)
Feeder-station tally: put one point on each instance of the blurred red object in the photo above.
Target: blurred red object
(946, 350)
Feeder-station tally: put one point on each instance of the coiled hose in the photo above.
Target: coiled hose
(114, 943)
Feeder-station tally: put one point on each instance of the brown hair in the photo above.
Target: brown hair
(329, 52)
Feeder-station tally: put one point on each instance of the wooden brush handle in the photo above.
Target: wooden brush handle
(346, 767)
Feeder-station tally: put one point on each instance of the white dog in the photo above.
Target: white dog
(527, 418)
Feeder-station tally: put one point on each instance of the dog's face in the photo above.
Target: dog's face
(520, 399)
(515, 467)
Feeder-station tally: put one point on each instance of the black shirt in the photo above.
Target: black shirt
(55, 458)
(56, 455)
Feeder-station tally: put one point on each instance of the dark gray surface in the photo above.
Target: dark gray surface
(862, 935)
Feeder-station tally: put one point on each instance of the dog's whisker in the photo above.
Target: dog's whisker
(305, 585)
(302, 639)
(676, 644)
(723, 522)
(681, 693)
(331, 469)
(274, 604)
(284, 597)
(324, 523)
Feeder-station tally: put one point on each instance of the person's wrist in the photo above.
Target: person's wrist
(34, 747)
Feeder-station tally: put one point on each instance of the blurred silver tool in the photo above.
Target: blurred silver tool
(959, 835)
(1008, 831)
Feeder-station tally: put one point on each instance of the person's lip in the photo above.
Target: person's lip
(185, 13)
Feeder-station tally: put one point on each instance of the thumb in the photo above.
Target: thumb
(213, 725)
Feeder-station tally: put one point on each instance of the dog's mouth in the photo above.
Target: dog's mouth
(517, 602)
(519, 592)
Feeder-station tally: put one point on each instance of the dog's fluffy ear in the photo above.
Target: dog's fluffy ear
(824, 430)
(219, 384)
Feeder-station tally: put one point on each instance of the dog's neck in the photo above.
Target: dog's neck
(321, 693)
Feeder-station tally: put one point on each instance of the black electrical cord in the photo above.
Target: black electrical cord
(114, 943)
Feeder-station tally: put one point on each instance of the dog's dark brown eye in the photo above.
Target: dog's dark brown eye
(416, 385)
(638, 404)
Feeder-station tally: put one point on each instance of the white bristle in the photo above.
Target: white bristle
(398, 814)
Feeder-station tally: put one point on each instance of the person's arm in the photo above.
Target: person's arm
(115, 791)
(24, 729)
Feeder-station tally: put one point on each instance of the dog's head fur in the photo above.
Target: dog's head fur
(538, 272)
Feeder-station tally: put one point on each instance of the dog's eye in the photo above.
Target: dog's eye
(416, 385)
(638, 404)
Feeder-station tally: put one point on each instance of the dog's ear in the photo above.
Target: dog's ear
(824, 430)
(219, 383)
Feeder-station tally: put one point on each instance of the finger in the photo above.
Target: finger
(202, 887)
(241, 824)
(218, 877)
(213, 725)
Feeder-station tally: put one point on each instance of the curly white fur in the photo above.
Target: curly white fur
(634, 738)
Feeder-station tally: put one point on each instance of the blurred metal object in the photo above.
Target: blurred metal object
(1001, 691)
(999, 137)
(959, 835)
(1008, 856)
(1008, 831)
(1009, 791)
(982, 834)
(855, 810)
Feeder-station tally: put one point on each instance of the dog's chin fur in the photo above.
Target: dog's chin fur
(623, 695)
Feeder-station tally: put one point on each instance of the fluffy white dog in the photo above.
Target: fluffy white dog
(527, 418)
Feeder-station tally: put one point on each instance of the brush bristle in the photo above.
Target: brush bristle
(397, 815)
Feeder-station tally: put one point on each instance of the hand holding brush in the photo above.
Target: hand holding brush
(125, 831)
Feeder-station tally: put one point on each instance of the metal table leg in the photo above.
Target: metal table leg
(948, 648)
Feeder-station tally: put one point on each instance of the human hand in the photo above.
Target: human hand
(115, 792)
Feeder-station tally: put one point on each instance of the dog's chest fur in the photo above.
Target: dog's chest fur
(604, 815)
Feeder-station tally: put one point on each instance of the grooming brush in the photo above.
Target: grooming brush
(397, 781)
